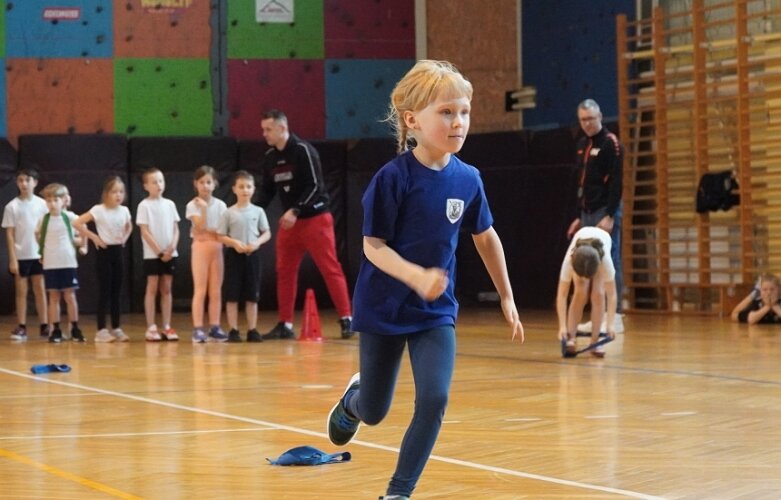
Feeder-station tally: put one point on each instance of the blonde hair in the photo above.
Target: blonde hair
(423, 84)
(55, 189)
(772, 278)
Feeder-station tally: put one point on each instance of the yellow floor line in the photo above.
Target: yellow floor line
(67, 475)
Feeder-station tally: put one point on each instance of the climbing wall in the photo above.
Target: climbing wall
(41, 28)
(357, 94)
(3, 110)
(257, 85)
(3, 122)
(331, 71)
(157, 67)
(162, 97)
(156, 31)
(59, 95)
(369, 30)
(302, 39)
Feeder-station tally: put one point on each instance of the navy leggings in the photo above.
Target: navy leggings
(432, 355)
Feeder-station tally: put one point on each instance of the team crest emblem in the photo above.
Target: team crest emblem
(455, 209)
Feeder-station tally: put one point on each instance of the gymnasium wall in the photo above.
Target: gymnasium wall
(569, 54)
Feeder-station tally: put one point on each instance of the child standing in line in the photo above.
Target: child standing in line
(414, 208)
(205, 211)
(20, 217)
(114, 225)
(243, 229)
(158, 221)
(58, 242)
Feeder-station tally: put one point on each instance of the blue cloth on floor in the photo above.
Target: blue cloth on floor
(50, 368)
(307, 455)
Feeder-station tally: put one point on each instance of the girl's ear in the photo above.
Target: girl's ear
(410, 120)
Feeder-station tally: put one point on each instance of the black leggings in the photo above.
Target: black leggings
(110, 271)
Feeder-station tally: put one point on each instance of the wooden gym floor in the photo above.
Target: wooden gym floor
(681, 407)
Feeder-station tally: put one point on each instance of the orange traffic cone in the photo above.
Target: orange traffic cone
(310, 329)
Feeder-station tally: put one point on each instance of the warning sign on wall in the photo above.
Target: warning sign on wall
(165, 6)
(274, 11)
(62, 13)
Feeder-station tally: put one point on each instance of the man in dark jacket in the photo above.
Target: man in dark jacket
(600, 158)
(291, 168)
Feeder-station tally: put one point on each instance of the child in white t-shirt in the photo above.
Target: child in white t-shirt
(57, 242)
(587, 266)
(113, 226)
(19, 219)
(158, 221)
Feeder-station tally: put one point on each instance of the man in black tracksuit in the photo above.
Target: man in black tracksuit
(600, 158)
(291, 169)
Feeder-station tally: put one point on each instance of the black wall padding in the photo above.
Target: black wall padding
(495, 149)
(530, 205)
(82, 162)
(552, 147)
(177, 158)
(364, 158)
(8, 163)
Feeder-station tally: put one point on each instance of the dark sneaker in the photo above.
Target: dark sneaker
(394, 497)
(44, 331)
(77, 336)
(56, 336)
(217, 335)
(19, 334)
(279, 332)
(253, 336)
(342, 427)
(199, 336)
(347, 327)
(235, 336)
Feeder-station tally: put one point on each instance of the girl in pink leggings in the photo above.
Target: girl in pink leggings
(204, 211)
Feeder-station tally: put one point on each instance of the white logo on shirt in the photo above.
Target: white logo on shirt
(595, 151)
(455, 208)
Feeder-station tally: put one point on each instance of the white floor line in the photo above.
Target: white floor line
(306, 432)
(130, 434)
(679, 414)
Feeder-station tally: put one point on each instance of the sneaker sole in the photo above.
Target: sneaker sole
(353, 379)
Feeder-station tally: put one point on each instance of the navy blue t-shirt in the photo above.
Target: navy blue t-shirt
(419, 212)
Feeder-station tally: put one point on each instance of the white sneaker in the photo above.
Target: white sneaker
(584, 327)
(152, 335)
(104, 336)
(120, 335)
(618, 324)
